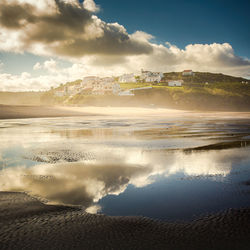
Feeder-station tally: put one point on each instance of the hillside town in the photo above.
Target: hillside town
(94, 85)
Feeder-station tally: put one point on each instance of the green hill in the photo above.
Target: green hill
(213, 83)
(68, 84)
(203, 77)
(204, 91)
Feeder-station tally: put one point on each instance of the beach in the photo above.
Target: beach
(131, 178)
(26, 223)
(29, 111)
(124, 125)
(22, 111)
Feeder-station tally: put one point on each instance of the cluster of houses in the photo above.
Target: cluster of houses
(178, 83)
(153, 77)
(93, 85)
(146, 76)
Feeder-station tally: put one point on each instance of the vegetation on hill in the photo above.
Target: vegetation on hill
(204, 91)
(203, 77)
(67, 84)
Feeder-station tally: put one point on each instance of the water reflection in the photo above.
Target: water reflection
(127, 166)
(83, 183)
(76, 183)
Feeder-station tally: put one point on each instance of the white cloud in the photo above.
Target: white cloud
(87, 182)
(37, 66)
(218, 58)
(25, 82)
(142, 36)
(96, 47)
(91, 6)
(213, 58)
(55, 76)
(83, 33)
(25, 75)
(51, 65)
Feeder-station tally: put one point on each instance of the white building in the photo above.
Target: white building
(92, 85)
(108, 79)
(60, 93)
(188, 72)
(127, 78)
(88, 83)
(144, 74)
(103, 88)
(116, 88)
(149, 76)
(175, 83)
(89, 80)
(153, 78)
(100, 86)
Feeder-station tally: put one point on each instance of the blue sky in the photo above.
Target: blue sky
(182, 22)
(179, 22)
(51, 42)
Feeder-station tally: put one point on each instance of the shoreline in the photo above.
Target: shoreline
(26, 223)
(26, 111)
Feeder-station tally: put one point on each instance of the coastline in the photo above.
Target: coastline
(26, 223)
(25, 111)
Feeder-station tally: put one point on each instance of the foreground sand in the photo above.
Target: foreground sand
(26, 223)
(19, 112)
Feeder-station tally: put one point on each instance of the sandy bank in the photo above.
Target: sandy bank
(25, 223)
(20, 112)
(134, 112)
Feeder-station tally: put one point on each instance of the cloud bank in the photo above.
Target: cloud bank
(71, 30)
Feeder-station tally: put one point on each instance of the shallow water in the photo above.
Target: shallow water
(164, 165)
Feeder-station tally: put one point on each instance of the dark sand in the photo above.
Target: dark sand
(20, 112)
(26, 223)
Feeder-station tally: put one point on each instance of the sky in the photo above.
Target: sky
(47, 42)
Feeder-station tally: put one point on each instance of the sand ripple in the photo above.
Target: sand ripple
(25, 223)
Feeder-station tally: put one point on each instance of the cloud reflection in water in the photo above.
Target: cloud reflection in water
(83, 161)
(85, 183)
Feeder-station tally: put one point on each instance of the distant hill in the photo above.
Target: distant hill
(204, 77)
(203, 91)
(68, 84)
(214, 84)
(199, 78)
(20, 98)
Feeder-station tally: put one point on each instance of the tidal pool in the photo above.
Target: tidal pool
(161, 165)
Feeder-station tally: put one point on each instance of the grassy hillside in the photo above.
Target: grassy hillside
(206, 91)
(196, 98)
(203, 77)
(68, 84)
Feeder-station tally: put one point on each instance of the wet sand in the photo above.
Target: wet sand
(20, 112)
(26, 223)
(26, 111)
